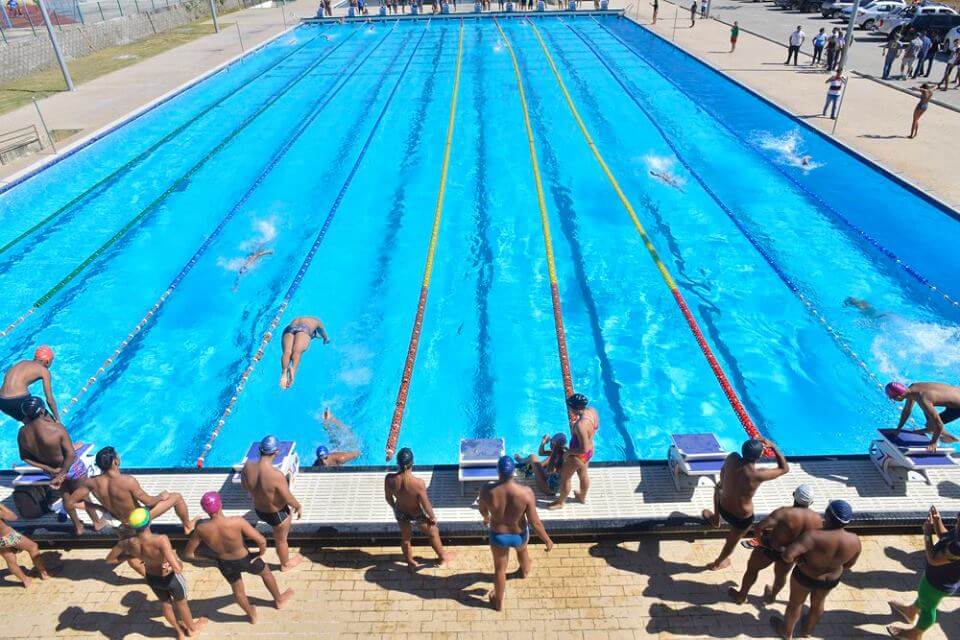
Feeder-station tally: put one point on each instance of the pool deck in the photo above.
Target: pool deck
(624, 500)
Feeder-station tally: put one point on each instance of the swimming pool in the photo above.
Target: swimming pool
(327, 146)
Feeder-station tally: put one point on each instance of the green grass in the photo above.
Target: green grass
(49, 81)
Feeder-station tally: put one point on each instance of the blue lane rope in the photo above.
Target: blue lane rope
(803, 189)
(302, 271)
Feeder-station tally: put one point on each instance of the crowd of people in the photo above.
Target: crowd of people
(809, 550)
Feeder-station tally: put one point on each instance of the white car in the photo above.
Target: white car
(953, 34)
(870, 13)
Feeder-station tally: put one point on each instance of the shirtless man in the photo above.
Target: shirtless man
(46, 445)
(733, 496)
(407, 496)
(584, 424)
(19, 377)
(226, 537)
(509, 509)
(928, 395)
(775, 533)
(249, 262)
(296, 339)
(13, 542)
(272, 499)
(164, 573)
(821, 556)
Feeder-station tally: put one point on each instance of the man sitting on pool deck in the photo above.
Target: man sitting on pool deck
(272, 499)
(928, 395)
(46, 445)
(733, 496)
(509, 509)
(226, 537)
(407, 496)
(17, 381)
(296, 339)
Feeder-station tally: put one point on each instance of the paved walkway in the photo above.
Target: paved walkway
(646, 589)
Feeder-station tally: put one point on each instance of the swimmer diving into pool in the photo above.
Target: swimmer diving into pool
(17, 381)
(929, 395)
(296, 340)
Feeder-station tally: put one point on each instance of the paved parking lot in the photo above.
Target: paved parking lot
(765, 19)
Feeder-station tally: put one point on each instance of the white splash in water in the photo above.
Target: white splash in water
(266, 229)
(661, 168)
(498, 48)
(231, 264)
(788, 149)
(906, 347)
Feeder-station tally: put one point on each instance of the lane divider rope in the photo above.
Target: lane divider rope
(308, 260)
(411, 358)
(718, 372)
(544, 224)
(320, 104)
(177, 185)
(156, 145)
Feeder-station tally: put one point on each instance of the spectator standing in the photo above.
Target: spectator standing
(734, 34)
(952, 62)
(656, 8)
(796, 39)
(841, 45)
(703, 8)
(819, 41)
(910, 56)
(831, 47)
(931, 55)
(891, 53)
(925, 44)
(693, 13)
(834, 91)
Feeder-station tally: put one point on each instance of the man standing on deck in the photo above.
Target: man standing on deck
(821, 555)
(272, 499)
(929, 395)
(796, 40)
(693, 13)
(509, 509)
(733, 496)
(19, 377)
(774, 534)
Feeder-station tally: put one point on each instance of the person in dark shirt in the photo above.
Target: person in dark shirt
(941, 578)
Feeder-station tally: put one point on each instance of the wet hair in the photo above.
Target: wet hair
(577, 401)
(106, 457)
(404, 458)
(752, 450)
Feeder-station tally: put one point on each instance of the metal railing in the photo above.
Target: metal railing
(18, 139)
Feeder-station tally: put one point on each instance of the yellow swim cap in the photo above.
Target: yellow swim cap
(139, 519)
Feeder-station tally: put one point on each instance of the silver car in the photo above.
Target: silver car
(895, 20)
(870, 13)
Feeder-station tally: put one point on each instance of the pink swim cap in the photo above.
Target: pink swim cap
(895, 390)
(211, 503)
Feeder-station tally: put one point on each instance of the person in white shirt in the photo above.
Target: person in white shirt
(796, 39)
(834, 90)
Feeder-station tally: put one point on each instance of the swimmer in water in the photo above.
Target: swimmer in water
(668, 179)
(338, 433)
(249, 262)
(929, 395)
(296, 340)
(864, 307)
(805, 161)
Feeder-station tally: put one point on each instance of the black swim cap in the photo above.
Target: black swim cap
(752, 450)
(106, 457)
(405, 458)
(32, 408)
(577, 401)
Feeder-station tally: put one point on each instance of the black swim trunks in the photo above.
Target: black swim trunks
(419, 518)
(231, 569)
(273, 518)
(169, 587)
(949, 415)
(13, 407)
(814, 584)
(741, 524)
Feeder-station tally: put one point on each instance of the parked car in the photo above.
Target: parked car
(951, 35)
(832, 8)
(868, 14)
(805, 6)
(936, 19)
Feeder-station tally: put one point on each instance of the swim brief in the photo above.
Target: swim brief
(294, 329)
(509, 540)
(232, 569)
(273, 518)
(949, 415)
(11, 540)
(741, 524)
(814, 584)
(169, 587)
(13, 407)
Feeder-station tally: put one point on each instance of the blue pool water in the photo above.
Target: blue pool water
(764, 250)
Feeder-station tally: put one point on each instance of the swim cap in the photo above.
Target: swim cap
(803, 496)
(577, 401)
(559, 440)
(211, 503)
(105, 458)
(269, 445)
(405, 458)
(895, 390)
(752, 450)
(505, 467)
(32, 407)
(139, 519)
(840, 511)
(322, 452)
(43, 353)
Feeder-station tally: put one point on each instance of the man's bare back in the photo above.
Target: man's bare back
(17, 381)
(267, 486)
(20, 376)
(789, 523)
(225, 536)
(826, 552)
(44, 440)
(407, 491)
(508, 503)
(938, 393)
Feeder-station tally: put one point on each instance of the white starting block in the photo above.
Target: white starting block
(896, 455)
(478, 460)
(693, 456)
(287, 461)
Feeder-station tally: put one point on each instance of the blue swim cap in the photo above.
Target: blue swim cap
(269, 445)
(505, 467)
(840, 511)
(322, 452)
